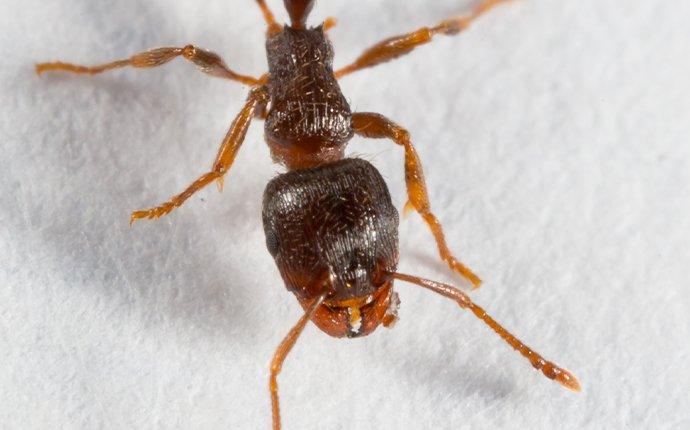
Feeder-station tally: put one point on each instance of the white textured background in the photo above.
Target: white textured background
(555, 137)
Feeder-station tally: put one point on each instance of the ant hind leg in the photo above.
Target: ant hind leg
(377, 126)
(207, 61)
(397, 46)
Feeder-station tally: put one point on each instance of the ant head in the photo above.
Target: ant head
(299, 11)
(359, 317)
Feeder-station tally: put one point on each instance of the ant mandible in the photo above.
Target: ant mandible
(329, 222)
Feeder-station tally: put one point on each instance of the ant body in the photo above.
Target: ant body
(329, 222)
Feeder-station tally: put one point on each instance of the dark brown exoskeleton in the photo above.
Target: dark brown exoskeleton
(309, 121)
(333, 231)
(329, 222)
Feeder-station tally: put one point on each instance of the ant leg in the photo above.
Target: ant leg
(273, 26)
(403, 44)
(207, 61)
(226, 155)
(549, 369)
(282, 352)
(377, 126)
(329, 23)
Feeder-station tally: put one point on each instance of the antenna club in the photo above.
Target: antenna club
(568, 380)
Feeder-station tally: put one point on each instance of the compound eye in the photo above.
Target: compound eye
(272, 242)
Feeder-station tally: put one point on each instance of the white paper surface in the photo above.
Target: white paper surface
(555, 138)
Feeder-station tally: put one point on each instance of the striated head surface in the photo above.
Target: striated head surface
(334, 229)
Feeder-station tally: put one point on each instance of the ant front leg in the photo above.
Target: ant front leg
(374, 125)
(397, 46)
(207, 61)
(258, 97)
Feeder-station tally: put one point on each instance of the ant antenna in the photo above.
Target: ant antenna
(549, 369)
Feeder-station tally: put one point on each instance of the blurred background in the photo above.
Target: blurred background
(554, 136)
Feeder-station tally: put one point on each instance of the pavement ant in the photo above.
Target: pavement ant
(329, 221)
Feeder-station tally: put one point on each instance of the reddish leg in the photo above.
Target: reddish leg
(549, 369)
(273, 26)
(398, 46)
(377, 126)
(226, 155)
(282, 352)
(329, 23)
(207, 61)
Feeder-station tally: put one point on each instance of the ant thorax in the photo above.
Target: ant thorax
(309, 120)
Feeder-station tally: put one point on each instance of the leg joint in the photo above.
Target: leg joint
(401, 136)
(189, 52)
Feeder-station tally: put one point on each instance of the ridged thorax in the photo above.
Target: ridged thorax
(309, 120)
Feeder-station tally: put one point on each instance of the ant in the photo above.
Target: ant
(329, 221)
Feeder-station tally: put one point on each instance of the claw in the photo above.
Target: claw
(153, 213)
(133, 217)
